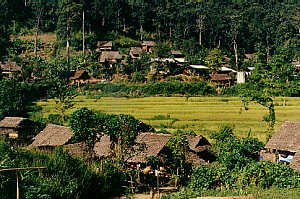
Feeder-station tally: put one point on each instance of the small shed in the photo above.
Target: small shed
(148, 46)
(80, 76)
(220, 79)
(13, 126)
(104, 45)
(51, 136)
(79, 149)
(135, 52)
(286, 142)
(177, 54)
(9, 68)
(110, 57)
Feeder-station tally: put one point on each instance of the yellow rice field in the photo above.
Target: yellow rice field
(199, 114)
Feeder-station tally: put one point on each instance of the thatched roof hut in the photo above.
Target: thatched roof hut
(135, 52)
(78, 149)
(220, 77)
(53, 135)
(153, 144)
(104, 45)
(148, 144)
(287, 142)
(287, 138)
(110, 56)
(11, 126)
(9, 67)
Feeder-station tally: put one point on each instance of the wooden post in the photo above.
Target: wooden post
(17, 175)
(18, 189)
(157, 181)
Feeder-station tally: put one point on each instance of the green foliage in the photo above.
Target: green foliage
(64, 176)
(84, 125)
(11, 98)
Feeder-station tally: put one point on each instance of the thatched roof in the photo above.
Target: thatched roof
(148, 144)
(102, 148)
(10, 66)
(287, 138)
(81, 74)
(52, 135)
(198, 143)
(194, 159)
(11, 122)
(77, 149)
(219, 77)
(176, 52)
(151, 144)
(135, 51)
(110, 56)
(148, 43)
(296, 161)
(104, 44)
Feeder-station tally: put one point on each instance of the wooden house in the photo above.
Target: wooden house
(284, 146)
(110, 57)
(135, 52)
(220, 79)
(53, 135)
(80, 76)
(104, 45)
(153, 144)
(14, 127)
(10, 68)
(148, 46)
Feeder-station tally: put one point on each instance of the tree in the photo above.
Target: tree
(69, 12)
(64, 95)
(85, 127)
(275, 78)
(11, 98)
(179, 147)
(215, 59)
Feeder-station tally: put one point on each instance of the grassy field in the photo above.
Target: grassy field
(199, 114)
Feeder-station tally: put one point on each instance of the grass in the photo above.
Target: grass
(199, 114)
(256, 192)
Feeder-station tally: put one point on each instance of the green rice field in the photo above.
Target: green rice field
(199, 114)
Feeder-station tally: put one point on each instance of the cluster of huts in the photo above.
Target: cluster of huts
(283, 147)
(153, 144)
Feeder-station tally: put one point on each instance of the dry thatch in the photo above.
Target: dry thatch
(194, 159)
(52, 135)
(110, 56)
(148, 43)
(198, 143)
(81, 74)
(102, 148)
(135, 52)
(287, 138)
(176, 52)
(78, 149)
(148, 144)
(10, 66)
(220, 77)
(296, 161)
(12, 122)
(102, 45)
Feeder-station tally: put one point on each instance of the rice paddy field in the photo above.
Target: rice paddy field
(203, 115)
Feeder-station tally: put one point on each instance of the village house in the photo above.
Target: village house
(148, 46)
(51, 136)
(110, 57)
(220, 79)
(14, 127)
(284, 146)
(153, 144)
(79, 76)
(104, 46)
(135, 52)
(10, 68)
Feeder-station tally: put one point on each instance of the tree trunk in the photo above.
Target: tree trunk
(68, 47)
(37, 31)
(235, 46)
(141, 32)
(83, 32)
